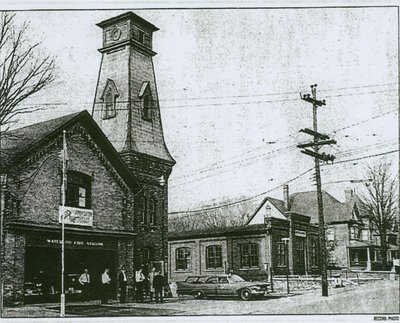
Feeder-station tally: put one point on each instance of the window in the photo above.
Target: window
(147, 106)
(148, 254)
(365, 234)
(249, 255)
(212, 280)
(109, 106)
(213, 257)
(223, 280)
(109, 98)
(142, 210)
(313, 253)
(281, 254)
(152, 212)
(330, 234)
(78, 190)
(353, 233)
(182, 258)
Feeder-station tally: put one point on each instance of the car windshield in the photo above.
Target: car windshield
(235, 279)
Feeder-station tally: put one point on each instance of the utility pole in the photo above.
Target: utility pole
(63, 188)
(319, 140)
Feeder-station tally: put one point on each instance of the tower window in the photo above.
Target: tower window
(109, 98)
(109, 106)
(147, 107)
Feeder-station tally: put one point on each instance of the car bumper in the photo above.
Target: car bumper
(259, 292)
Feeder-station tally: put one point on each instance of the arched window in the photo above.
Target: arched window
(142, 209)
(152, 212)
(109, 98)
(147, 106)
(182, 259)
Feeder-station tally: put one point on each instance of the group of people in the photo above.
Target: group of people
(150, 284)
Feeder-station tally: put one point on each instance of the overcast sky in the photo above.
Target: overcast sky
(229, 83)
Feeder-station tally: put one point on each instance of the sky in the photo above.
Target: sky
(229, 84)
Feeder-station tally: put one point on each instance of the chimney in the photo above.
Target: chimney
(348, 195)
(286, 196)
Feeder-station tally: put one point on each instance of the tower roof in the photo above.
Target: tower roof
(126, 16)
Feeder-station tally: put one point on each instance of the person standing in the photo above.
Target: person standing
(106, 282)
(84, 280)
(158, 284)
(151, 280)
(122, 282)
(139, 282)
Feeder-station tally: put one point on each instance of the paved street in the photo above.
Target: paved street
(374, 298)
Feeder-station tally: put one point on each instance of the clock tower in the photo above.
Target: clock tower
(126, 108)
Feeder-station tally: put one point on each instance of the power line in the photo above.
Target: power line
(211, 104)
(241, 200)
(291, 180)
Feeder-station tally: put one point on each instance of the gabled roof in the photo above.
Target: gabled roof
(279, 204)
(17, 145)
(306, 203)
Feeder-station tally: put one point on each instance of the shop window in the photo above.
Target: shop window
(183, 259)
(142, 210)
(152, 212)
(313, 253)
(281, 254)
(213, 257)
(79, 188)
(249, 255)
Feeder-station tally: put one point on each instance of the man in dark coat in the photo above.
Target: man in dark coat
(158, 284)
(122, 282)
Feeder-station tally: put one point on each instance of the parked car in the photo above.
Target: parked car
(221, 286)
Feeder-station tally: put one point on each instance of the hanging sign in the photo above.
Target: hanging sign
(76, 216)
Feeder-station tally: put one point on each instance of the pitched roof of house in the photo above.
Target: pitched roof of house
(17, 145)
(306, 203)
(279, 204)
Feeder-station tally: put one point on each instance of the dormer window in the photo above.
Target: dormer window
(109, 98)
(146, 100)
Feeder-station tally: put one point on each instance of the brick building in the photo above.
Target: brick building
(127, 109)
(273, 237)
(100, 233)
(117, 189)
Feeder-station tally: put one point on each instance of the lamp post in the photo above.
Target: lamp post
(286, 242)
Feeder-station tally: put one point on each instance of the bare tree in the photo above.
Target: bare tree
(23, 70)
(380, 203)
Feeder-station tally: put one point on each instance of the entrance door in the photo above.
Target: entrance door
(299, 256)
(45, 264)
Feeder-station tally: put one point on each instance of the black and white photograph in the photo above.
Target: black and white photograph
(199, 161)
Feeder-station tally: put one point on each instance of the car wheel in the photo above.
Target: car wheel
(199, 295)
(245, 294)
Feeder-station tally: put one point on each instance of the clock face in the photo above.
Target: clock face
(115, 34)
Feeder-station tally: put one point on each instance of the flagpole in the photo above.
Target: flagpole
(62, 300)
